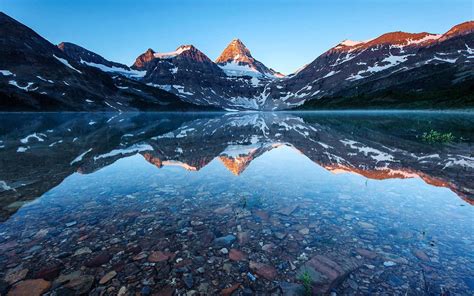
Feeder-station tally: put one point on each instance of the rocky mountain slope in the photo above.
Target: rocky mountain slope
(89, 58)
(392, 70)
(37, 75)
(191, 75)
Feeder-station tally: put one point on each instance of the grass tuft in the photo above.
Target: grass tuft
(305, 278)
(437, 137)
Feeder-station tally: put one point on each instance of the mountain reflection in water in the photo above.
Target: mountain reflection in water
(361, 190)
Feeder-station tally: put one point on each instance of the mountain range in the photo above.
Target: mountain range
(394, 70)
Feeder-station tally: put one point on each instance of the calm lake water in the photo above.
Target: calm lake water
(238, 204)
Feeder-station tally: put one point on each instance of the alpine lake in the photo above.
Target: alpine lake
(249, 203)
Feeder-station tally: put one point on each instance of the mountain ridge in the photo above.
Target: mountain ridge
(379, 72)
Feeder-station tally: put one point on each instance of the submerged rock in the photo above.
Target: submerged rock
(236, 255)
(230, 290)
(263, 270)
(159, 256)
(107, 277)
(291, 289)
(421, 255)
(224, 241)
(30, 288)
(16, 274)
(98, 260)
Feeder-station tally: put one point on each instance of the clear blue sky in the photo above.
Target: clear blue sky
(283, 34)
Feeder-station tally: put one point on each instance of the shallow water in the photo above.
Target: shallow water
(249, 203)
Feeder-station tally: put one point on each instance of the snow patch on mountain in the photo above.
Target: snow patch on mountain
(113, 69)
(66, 63)
(6, 73)
(172, 54)
(236, 69)
(25, 88)
(131, 150)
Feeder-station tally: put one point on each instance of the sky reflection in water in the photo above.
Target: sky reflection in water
(295, 190)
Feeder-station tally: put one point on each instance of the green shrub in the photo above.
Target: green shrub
(437, 137)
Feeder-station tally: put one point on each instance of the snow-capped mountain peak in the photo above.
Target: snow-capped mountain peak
(236, 60)
(236, 51)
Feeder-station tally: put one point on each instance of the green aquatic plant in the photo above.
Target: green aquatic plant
(251, 202)
(255, 202)
(306, 280)
(437, 137)
(243, 201)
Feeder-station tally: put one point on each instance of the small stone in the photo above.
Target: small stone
(196, 223)
(41, 233)
(389, 263)
(251, 277)
(63, 278)
(366, 225)
(16, 274)
(159, 256)
(236, 255)
(263, 270)
(304, 231)
(139, 256)
(115, 240)
(268, 248)
(280, 235)
(223, 210)
(203, 288)
(292, 289)
(421, 255)
(243, 238)
(227, 267)
(30, 288)
(188, 280)
(287, 211)
(366, 253)
(370, 266)
(81, 284)
(49, 273)
(122, 291)
(99, 259)
(230, 290)
(145, 291)
(107, 277)
(81, 251)
(201, 270)
(69, 224)
(224, 251)
(225, 241)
